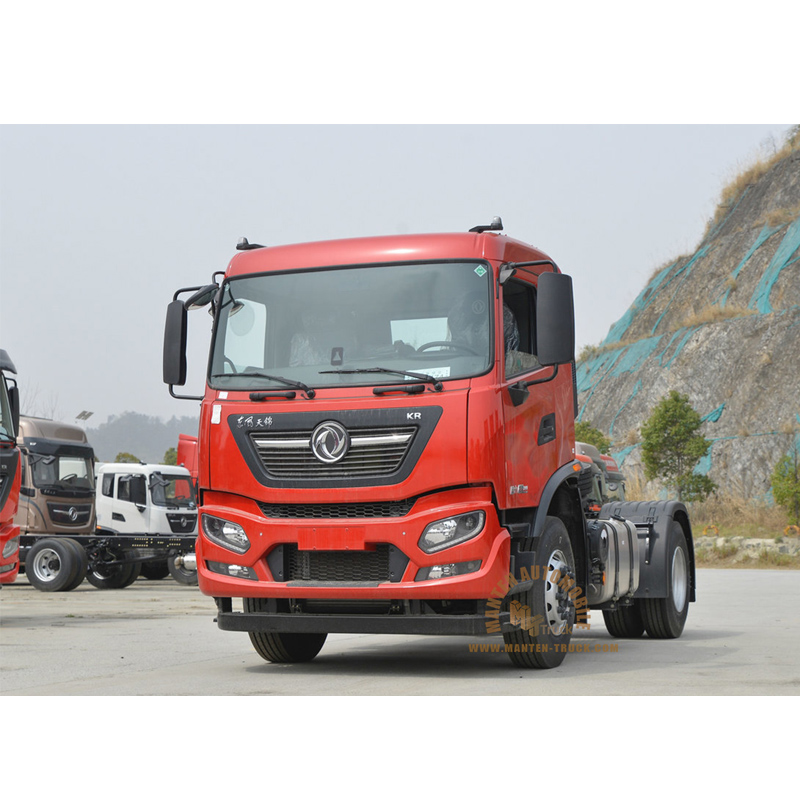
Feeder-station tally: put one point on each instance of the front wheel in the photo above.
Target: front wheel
(283, 648)
(665, 617)
(52, 565)
(545, 613)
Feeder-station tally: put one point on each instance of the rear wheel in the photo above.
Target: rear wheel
(188, 577)
(545, 612)
(625, 622)
(155, 570)
(664, 617)
(52, 565)
(113, 576)
(283, 648)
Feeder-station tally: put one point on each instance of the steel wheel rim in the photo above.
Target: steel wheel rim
(680, 579)
(557, 620)
(46, 565)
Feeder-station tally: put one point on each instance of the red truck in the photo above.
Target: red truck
(10, 473)
(386, 445)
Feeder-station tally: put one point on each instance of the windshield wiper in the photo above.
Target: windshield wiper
(420, 376)
(310, 393)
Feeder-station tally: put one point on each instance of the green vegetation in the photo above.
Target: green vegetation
(171, 457)
(786, 484)
(584, 432)
(672, 447)
(126, 458)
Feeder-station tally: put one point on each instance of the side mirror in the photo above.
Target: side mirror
(139, 492)
(13, 401)
(175, 344)
(555, 319)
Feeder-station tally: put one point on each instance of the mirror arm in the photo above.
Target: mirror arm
(199, 398)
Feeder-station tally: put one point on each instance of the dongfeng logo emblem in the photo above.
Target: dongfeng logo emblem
(73, 514)
(330, 442)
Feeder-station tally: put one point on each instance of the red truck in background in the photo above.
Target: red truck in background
(10, 472)
(386, 445)
(187, 454)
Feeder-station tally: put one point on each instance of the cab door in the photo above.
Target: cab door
(130, 510)
(532, 419)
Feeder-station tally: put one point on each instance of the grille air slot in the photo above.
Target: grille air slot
(398, 508)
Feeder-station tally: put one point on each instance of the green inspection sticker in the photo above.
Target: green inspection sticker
(480, 271)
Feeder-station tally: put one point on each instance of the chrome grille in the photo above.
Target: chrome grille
(374, 452)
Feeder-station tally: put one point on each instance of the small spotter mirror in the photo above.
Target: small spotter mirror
(202, 297)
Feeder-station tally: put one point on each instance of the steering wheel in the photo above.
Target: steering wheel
(453, 345)
(69, 477)
(226, 360)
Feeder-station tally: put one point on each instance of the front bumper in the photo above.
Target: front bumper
(341, 541)
(484, 622)
(9, 564)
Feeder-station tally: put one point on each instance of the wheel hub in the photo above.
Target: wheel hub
(559, 608)
(680, 579)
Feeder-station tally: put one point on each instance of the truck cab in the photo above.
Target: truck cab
(57, 492)
(148, 499)
(9, 471)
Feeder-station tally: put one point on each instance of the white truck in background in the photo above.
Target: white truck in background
(155, 499)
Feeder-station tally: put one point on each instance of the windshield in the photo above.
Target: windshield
(173, 490)
(69, 475)
(354, 326)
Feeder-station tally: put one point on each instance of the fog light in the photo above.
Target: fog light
(447, 570)
(226, 534)
(11, 547)
(451, 531)
(232, 570)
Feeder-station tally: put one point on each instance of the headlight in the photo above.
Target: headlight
(11, 547)
(226, 534)
(451, 531)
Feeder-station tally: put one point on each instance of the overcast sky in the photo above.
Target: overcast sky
(99, 225)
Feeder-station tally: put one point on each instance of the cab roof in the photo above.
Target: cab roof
(383, 249)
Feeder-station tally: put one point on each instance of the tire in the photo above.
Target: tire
(188, 577)
(155, 570)
(283, 648)
(664, 617)
(83, 565)
(544, 645)
(625, 622)
(116, 576)
(52, 565)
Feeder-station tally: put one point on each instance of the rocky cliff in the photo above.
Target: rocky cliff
(721, 325)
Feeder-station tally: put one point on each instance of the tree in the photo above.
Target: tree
(584, 432)
(786, 484)
(171, 457)
(126, 458)
(672, 447)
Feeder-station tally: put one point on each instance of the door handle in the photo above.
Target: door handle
(547, 430)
